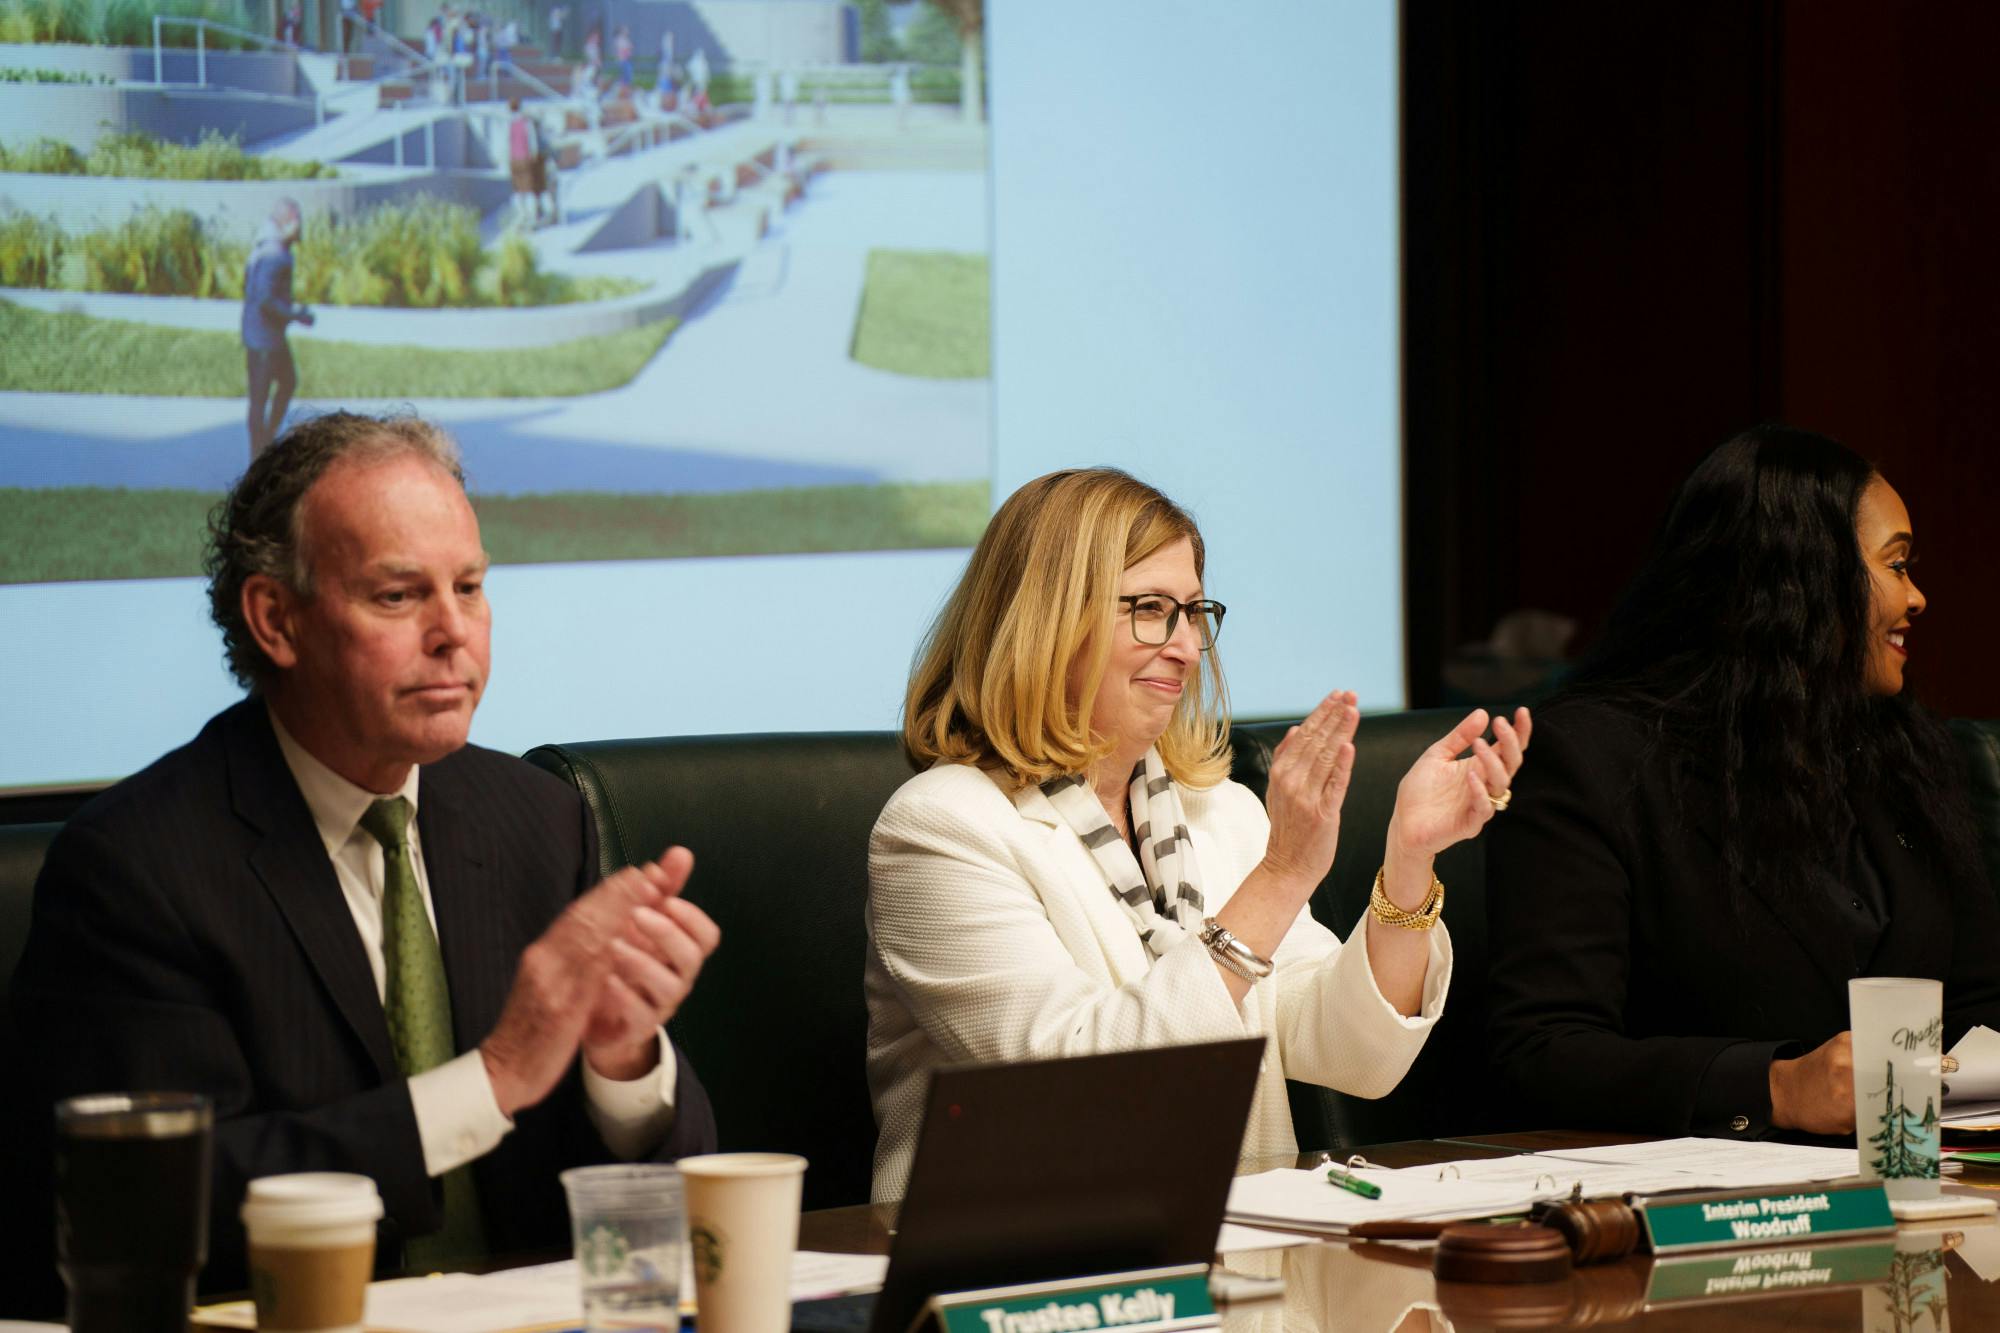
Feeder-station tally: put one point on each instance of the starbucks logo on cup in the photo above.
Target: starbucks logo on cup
(707, 1247)
(604, 1251)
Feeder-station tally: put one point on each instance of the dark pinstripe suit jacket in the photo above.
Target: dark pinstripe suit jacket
(189, 934)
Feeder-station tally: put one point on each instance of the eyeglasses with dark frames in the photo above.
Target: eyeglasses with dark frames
(1155, 616)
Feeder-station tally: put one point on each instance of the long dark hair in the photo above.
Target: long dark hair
(1744, 642)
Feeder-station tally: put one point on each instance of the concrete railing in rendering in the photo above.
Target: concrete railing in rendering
(81, 114)
(85, 203)
(272, 72)
(472, 329)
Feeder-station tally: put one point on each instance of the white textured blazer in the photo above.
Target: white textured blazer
(992, 936)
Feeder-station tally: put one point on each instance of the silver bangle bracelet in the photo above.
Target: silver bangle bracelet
(1224, 959)
(1233, 953)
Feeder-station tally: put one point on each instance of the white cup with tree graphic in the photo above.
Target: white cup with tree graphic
(1898, 1043)
(743, 1224)
(626, 1221)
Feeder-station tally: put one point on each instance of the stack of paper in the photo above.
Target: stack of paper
(1492, 1187)
(1972, 1093)
(544, 1297)
(1720, 1163)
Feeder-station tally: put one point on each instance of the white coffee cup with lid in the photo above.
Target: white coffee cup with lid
(743, 1224)
(312, 1249)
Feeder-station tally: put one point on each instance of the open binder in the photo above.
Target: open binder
(1304, 1200)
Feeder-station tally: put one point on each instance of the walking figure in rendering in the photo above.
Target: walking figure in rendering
(268, 309)
(525, 165)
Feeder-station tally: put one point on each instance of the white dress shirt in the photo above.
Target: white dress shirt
(458, 1118)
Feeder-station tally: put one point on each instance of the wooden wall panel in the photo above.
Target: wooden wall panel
(1891, 292)
(1634, 229)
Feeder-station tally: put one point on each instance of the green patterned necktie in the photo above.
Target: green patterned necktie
(418, 1007)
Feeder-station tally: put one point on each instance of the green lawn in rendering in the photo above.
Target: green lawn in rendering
(926, 313)
(84, 532)
(73, 353)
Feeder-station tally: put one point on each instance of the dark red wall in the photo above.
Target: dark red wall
(1891, 285)
(1633, 229)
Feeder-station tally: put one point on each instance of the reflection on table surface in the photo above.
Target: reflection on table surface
(1937, 1278)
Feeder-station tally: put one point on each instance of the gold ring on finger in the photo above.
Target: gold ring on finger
(1503, 800)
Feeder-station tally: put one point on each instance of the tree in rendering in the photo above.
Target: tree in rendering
(970, 18)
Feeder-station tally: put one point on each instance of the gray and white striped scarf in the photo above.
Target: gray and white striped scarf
(1161, 891)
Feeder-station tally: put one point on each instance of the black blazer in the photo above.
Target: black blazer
(189, 934)
(1627, 993)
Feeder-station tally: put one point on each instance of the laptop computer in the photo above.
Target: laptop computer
(1049, 1169)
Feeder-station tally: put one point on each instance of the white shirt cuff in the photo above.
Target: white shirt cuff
(457, 1116)
(632, 1117)
(1437, 974)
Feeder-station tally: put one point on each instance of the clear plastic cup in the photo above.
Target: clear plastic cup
(628, 1228)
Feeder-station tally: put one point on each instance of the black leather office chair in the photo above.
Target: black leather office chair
(779, 825)
(28, 1285)
(22, 847)
(779, 828)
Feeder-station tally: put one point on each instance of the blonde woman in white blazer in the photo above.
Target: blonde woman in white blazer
(1073, 871)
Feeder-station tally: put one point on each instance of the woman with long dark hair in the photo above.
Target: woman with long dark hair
(1735, 808)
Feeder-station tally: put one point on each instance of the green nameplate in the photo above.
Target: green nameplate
(1709, 1277)
(1140, 1302)
(1737, 1218)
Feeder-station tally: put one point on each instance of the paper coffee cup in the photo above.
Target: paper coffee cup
(743, 1223)
(312, 1248)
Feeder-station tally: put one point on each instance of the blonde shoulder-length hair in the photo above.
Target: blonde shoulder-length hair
(1035, 611)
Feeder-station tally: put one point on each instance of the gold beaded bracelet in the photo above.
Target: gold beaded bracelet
(1389, 914)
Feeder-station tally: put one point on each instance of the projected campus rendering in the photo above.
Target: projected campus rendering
(684, 277)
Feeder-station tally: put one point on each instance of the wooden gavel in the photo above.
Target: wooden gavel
(1558, 1234)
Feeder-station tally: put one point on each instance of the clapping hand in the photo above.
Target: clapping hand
(1309, 774)
(613, 967)
(1444, 799)
(654, 963)
(555, 991)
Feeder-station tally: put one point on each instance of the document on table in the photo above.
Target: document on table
(1722, 1163)
(1976, 1084)
(1971, 1115)
(1492, 1187)
(1546, 1175)
(542, 1297)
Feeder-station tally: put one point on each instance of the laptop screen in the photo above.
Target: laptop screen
(1063, 1168)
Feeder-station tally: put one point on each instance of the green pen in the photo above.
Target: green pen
(1353, 1184)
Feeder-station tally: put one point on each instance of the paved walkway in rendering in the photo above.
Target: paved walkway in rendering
(756, 390)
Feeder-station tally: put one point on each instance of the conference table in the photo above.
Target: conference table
(1333, 1286)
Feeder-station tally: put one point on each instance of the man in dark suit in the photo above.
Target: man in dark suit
(377, 948)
